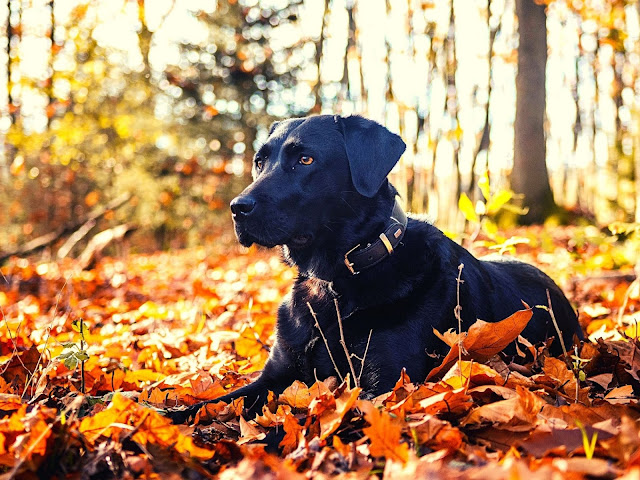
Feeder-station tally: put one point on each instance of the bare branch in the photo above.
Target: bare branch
(344, 345)
(326, 343)
(458, 312)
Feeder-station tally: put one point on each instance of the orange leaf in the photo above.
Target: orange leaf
(220, 411)
(270, 419)
(485, 339)
(248, 343)
(342, 448)
(384, 433)
(293, 434)
(299, 396)
(331, 418)
(9, 401)
(124, 416)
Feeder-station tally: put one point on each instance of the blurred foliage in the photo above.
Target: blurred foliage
(177, 139)
(100, 117)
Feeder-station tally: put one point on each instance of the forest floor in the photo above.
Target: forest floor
(89, 358)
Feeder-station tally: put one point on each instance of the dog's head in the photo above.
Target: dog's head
(306, 175)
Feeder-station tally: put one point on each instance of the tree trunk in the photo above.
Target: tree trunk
(530, 177)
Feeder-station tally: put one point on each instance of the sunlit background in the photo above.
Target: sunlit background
(167, 100)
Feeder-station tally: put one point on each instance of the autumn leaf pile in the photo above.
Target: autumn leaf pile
(89, 359)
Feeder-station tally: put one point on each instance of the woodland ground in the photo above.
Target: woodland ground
(152, 331)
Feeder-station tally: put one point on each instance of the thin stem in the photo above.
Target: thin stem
(555, 324)
(82, 362)
(458, 313)
(364, 357)
(326, 343)
(344, 345)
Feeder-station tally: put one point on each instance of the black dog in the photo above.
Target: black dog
(320, 191)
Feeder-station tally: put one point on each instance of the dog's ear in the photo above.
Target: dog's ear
(372, 151)
(273, 127)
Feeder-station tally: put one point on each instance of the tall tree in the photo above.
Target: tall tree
(530, 177)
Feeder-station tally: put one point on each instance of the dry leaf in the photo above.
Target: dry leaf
(384, 434)
(485, 339)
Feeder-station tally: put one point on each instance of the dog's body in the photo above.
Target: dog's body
(320, 191)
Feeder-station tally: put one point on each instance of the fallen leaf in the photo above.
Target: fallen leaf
(516, 414)
(249, 432)
(384, 433)
(485, 339)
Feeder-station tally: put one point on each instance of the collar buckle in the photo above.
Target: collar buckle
(387, 242)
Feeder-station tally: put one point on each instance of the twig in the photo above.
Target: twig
(576, 373)
(75, 237)
(364, 357)
(45, 240)
(82, 386)
(626, 300)
(574, 369)
(555, 324)
(15, 346)
(344, 344)
(458, 312)
(46, 340)
(326, 343)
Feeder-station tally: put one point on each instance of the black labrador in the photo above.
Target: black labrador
(320, 191)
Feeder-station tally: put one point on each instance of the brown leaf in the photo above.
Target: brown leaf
(249, 432)
(454, 402)
(559, 441)
(621, 396)
(516, 414)
(485, 339)
(626, 444)
(21, 366)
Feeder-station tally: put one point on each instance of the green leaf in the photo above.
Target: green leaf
(466, 207)
(82, 356)
(71, 362)
(68, 344)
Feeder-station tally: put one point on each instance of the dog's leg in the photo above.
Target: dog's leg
(255, 395)
(279, 372)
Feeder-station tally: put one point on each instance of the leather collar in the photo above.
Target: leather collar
(358, 259)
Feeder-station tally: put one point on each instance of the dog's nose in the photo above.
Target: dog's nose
(242, 206)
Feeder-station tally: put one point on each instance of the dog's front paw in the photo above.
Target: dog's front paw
(183, 414)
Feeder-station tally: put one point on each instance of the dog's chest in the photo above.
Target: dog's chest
(321, 331)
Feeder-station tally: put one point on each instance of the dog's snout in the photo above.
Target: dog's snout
(242, 206)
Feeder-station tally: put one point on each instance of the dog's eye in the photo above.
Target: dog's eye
(259, 164)
(306, 160)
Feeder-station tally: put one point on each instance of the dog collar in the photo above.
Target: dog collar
(358, 259)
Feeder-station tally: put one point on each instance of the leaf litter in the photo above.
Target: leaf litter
(184, 327)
